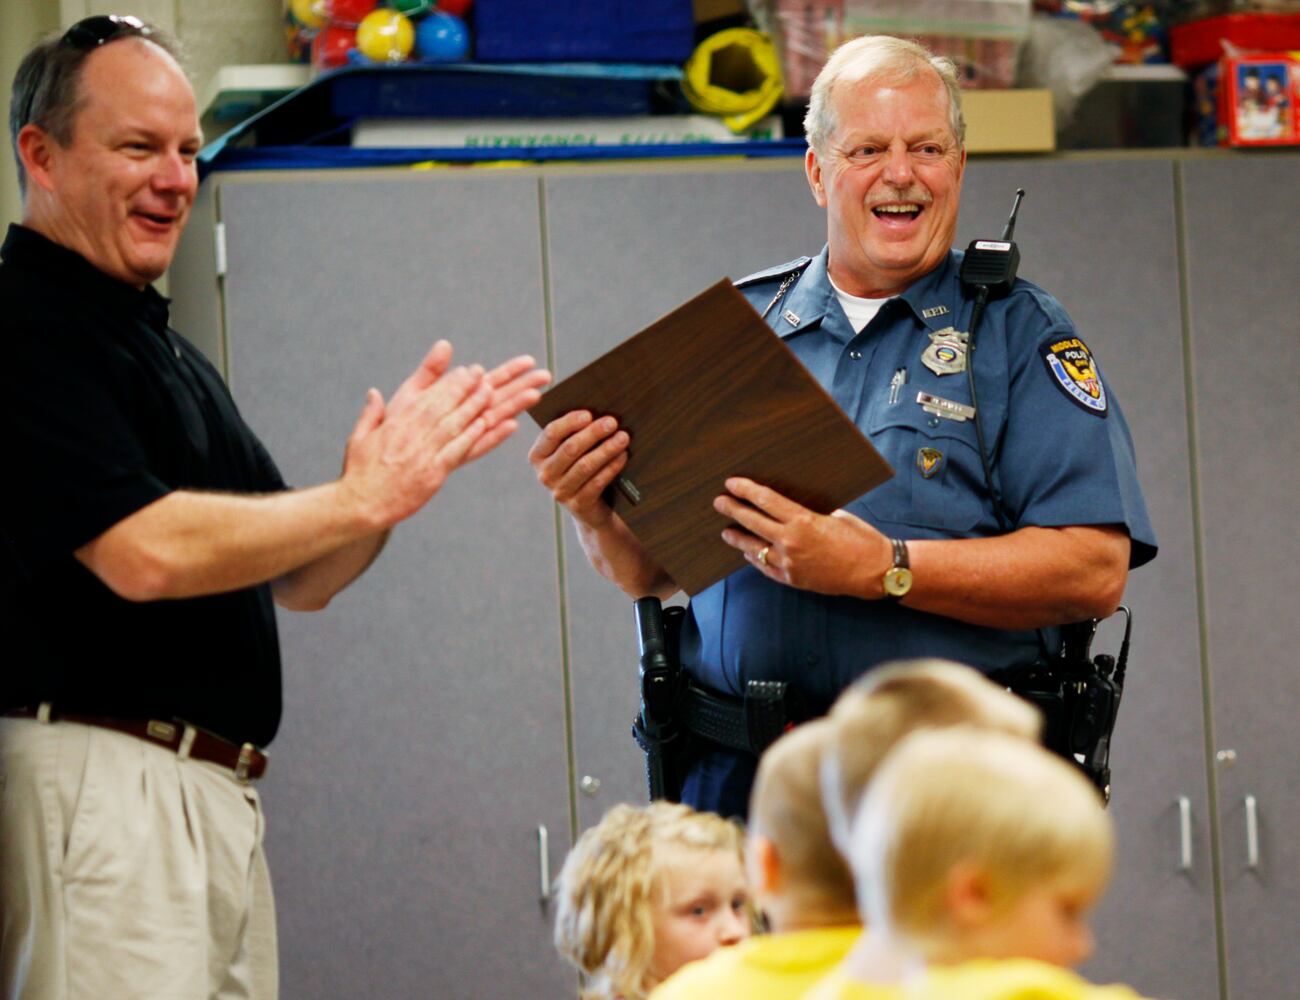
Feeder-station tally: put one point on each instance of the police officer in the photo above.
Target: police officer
(920, 566)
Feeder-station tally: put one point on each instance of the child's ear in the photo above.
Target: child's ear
(764, 863)
(968, 895)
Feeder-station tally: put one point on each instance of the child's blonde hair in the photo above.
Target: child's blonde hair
(786, 808)
(1022, 816)
(895, 699)
(604, 919)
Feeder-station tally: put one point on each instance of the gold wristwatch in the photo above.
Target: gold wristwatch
(898, 578)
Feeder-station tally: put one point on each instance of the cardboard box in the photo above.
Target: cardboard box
(1009, 121)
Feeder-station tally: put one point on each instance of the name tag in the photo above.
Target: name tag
(946, 408)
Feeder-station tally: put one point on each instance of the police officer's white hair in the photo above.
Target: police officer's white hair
(877, 57)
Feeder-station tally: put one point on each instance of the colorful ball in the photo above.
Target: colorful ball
(309, 13)
(350, 11)
(331, 46)
(457, 8)
(385, 36)
(442, 38)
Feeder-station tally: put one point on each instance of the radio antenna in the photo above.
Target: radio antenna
(1011, 222)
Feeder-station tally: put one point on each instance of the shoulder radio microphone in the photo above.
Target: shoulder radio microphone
(990, 265)
(988, 271)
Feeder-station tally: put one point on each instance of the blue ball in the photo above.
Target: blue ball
(442, 38)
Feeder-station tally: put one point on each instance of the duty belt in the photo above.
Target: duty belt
(750, 724)
(246, 760)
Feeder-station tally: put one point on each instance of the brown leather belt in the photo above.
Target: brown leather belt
(247, 761)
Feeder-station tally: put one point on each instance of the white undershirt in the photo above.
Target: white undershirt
(860, 311)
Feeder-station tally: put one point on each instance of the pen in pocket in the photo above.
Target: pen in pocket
(896, 384)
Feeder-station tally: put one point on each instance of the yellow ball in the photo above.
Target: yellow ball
(308, 13)
(385, 36)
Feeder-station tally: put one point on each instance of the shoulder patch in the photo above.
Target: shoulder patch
(773, 273)
(1071, 366)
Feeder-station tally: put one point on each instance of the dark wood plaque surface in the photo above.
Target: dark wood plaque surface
(708, 392)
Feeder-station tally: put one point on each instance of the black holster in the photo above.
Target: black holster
(676, 713)
(1079, 696)
(656, 729)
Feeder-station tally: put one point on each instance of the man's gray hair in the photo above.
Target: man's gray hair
(877, 57)
(47, 86)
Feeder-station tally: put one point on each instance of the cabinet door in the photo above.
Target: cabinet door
(625, 248)
(423, 738)
(1101, 237)
(1243, 246)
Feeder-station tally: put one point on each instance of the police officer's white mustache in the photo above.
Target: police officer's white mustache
(917, 196)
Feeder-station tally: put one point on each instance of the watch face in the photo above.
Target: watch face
(898, 581)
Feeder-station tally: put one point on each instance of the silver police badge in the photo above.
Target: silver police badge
(946, 354)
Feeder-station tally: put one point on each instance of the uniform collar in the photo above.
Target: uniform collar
(812, 301)
(78, 278)
(809, 300)
(937, 293)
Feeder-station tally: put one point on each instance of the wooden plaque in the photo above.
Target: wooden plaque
(708, 392)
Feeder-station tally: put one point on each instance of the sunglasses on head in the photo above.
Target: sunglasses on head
(90, 33)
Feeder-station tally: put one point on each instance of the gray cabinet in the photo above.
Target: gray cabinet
(1102, 237)
(1243, 266)
(480, 682)
(423, 742)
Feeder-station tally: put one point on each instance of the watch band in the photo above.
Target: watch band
(900, 553)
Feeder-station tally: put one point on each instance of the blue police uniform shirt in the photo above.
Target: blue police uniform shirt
(1060, 451)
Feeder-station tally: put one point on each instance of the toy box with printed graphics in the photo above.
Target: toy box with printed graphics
(1258, 96)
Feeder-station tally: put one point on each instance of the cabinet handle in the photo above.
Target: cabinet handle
(1184, 833)
(1252, 833)
(544, 862)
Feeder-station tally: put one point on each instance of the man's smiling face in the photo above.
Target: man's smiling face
(123, 187)
(890, 180)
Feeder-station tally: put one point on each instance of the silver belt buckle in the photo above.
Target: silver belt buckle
(244, 763)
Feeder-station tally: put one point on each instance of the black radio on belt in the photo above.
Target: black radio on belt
(1078, 693)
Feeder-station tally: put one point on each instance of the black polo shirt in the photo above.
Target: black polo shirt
(106, 410)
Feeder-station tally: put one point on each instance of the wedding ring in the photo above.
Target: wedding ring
(762, 555)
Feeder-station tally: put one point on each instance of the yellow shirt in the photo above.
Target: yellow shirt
(839, 985)
(983, 979)
(766, 967)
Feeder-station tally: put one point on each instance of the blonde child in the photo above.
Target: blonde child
(647, 890)
(977, 857)
(799, 879)
(872, 715)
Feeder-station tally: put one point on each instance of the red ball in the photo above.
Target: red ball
(350, 11)
(455, 7)
(331, 45)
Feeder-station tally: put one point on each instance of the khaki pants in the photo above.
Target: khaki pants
(128, 872)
